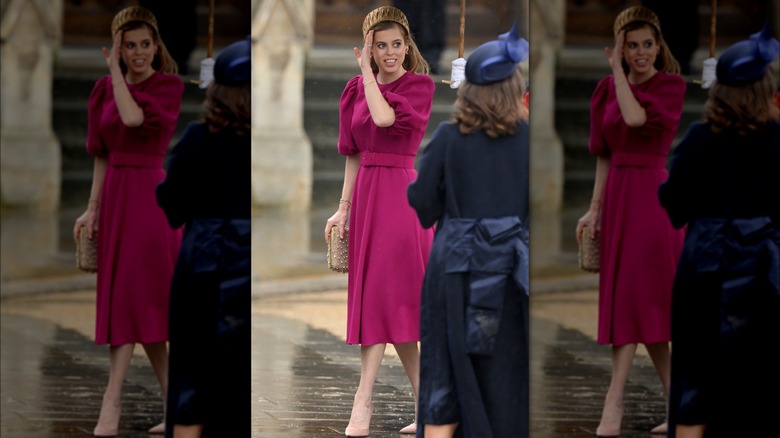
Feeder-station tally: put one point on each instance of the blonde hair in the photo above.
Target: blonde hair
(494, 108)
(747, 108)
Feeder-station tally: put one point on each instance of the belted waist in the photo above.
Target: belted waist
(628, 159)
(379, 159)
(129, 159)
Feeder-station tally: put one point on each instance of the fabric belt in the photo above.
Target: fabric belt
(128, 159)
(379, 159)
(628, 159)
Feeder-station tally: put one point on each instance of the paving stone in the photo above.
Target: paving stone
(303, 381)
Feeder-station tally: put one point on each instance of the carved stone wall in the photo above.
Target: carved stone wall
(30, 153)
(281, 151)
(282, 33)
(547, 34)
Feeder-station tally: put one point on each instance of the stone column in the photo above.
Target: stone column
(30, 33)
(30, 157)
(282, 33)
(547, 35)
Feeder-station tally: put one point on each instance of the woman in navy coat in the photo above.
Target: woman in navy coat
(207, 190)
(724, 186)
(473, 185)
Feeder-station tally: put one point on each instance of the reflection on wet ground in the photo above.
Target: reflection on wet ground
(304, 375)
(53, 380)
(313, 396)
(569, 376)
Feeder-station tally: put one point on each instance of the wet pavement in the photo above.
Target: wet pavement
(304, 375)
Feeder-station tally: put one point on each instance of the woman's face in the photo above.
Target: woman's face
(138, 50)
(389, 50)
(640, 50)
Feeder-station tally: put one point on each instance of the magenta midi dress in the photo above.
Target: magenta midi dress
(137, 249)
(639, 247)
(388, 248)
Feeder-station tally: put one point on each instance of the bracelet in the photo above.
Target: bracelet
(344, 201)
(595, 201)
(95, 201)
(368, 83)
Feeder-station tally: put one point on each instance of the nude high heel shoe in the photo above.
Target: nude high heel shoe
(661, 429)
(610, 421)
(157, 430)
(410, 429)
(108, 422)
(359, 422)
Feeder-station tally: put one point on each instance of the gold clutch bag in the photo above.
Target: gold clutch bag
(589, 252)
(86, 252)
(338, 250)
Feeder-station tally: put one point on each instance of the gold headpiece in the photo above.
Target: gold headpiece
(636, 13)
(133, 13)
(385, 13)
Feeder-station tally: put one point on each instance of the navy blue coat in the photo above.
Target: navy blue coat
(207, 189)
(725, 189)
(474, 312)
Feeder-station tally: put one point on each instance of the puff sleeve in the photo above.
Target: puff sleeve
(160, 102)
(97, 98)
(663, 104)
(346, 143)
(426, 194)
(411, 104)
(597, 144)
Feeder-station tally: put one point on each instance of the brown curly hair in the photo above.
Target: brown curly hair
(228, 107)
(747, 108)
(495, 108)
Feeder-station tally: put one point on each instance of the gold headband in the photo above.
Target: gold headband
(385, 13)
(636, 13)
(133, 13)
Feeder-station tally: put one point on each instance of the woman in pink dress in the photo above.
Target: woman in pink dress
(635, 113)
(132, 117)
(383, 116)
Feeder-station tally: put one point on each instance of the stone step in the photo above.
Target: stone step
(327, 71)
(340, 22)
(90, 22)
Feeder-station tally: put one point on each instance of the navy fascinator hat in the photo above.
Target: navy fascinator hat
(234, 64)
(746, 61)
(496, 60)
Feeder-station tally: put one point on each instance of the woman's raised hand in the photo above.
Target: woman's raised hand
(364, 56)
(112, 56)
(615, 56)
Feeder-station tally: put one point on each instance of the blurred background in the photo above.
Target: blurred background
(302, 54)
